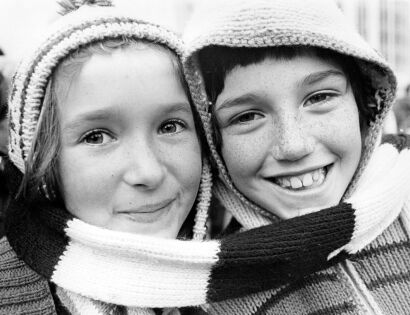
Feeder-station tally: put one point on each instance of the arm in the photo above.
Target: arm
(188, 273)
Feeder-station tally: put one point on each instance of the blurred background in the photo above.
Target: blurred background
(384, 23)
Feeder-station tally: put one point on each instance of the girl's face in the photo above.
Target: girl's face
(130, 158)
(290, 133)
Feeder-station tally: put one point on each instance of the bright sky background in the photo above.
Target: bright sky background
(21, 20)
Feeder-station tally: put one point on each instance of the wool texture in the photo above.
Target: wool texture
(368, 283)
(84, 23)
(75, 255)
(265, 23)
(53, 247)
(375, 280)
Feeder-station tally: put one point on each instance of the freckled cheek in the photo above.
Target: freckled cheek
(340, 130)
(243, 154)
(184, 161)
(86, 183)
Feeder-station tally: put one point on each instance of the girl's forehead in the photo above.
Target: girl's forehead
(125, 81)
(303, 70)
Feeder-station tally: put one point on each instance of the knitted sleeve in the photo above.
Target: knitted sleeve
(22, 290)
(269, 256)
(137, 269)
(186, 273)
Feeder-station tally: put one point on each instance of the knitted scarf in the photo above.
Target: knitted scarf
(77, 256)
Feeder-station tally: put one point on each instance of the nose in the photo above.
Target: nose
(292, 140)
(145, 167)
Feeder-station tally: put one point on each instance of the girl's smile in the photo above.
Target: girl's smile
(148, 213)
(290, 132)
(302, 180)
(130, 157)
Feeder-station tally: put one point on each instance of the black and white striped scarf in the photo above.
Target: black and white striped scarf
(90, 263)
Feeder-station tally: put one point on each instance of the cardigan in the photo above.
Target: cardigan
(376, 280)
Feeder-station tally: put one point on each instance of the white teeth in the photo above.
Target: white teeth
(312, 179)
(307, 180)
(286, 182)
(295, 182)
(321, 178)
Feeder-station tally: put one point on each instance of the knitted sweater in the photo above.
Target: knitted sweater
(75, 257)
(260, 257)
(376, 280)
(245, 258)
(21, 287)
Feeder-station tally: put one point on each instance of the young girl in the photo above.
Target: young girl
(103, 133)
(103, 142)
(297, 101)
(103, 146)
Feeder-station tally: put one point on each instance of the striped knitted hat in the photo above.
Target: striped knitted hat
(85, 23)
(267, 23)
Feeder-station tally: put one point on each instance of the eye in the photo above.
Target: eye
(246, 117)
(172, 126)
(97, 137)
(319, 98)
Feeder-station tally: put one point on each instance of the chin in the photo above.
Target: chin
(286, 212)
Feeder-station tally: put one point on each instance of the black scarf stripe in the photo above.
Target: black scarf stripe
(36, 243)
(266, 258)
(248, 262)
(35, 228)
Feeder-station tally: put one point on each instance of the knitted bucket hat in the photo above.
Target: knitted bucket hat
(85, 22)
(268, 23)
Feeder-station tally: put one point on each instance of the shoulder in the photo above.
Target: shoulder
(21, 289)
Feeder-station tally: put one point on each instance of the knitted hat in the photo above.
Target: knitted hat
(268, 23)
(84, 24)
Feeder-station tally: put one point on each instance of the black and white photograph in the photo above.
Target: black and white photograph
(194, 157)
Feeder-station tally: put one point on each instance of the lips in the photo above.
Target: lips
(302, 181)
(149, 208)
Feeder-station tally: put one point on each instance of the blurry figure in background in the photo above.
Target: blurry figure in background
(6, 69)
(402, 111)
(390, 124)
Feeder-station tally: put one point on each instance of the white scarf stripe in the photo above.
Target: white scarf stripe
(122, 243)
(379, 199)
(133, 278)
(144, 268)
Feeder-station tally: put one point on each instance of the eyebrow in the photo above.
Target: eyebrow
(320, 76)
(95, 115)
(308, 80)
(176, 107)
(106, 114)
(243, 99)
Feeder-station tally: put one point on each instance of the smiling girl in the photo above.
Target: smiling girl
(296, 103)
(103, 145)
(105, 155)
(313, 115)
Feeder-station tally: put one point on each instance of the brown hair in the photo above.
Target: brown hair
(217, 61)
(41, 174)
